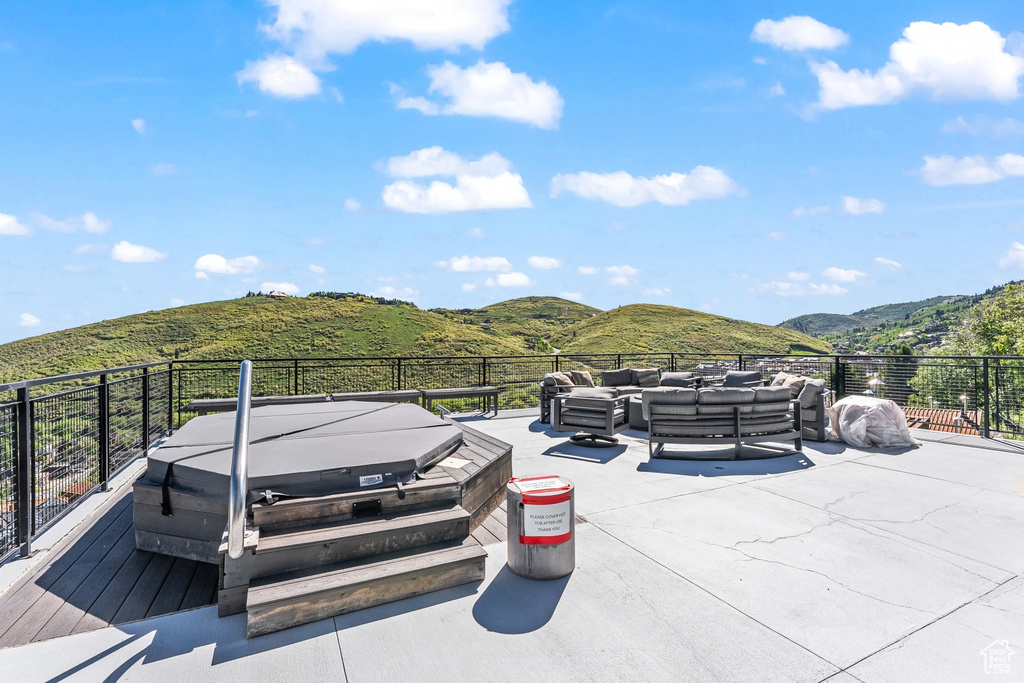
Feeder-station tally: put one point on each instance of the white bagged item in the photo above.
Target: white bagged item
(867, 421)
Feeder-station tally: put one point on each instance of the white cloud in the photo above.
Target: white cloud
(29, 320)
(217, 264)
(842, 275)
(760, 61)
(510, 280)
(544, 262)
(352, 205)
(201, 275)
(942, 61)
(489, 89)
(800, 289)
(1014, 257)
(976, 170)
(998, 128)
(621, 276)
(283, 287)
(89, 248)
(487, 183)
(177, 302)
(9, 225)
(587, 270)
(163, 168)
(314, 28)
(656, 291)
(470, 193)
(139, 125)
(126, 252)
(389, 292)
(888, 263)
(803, 211)
(89, 222)
(798, 276)
(623, 189)
(776, 90)
(778, 236)
(859, 207)
(319, 270)
(437, 161)
(468, 287)
(282, 76)
(476, 264)
(475, 232)
(798, 33)
(572, 296)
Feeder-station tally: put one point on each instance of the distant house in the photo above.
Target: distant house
(950, 420)
(277, 295)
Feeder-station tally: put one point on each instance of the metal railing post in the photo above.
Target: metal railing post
(985, 393)
(740, 356)
(145, 410)
(170, 397)
(295, 386)
(238, 488)
(398, 381)
(104, 417)
(483, 371)
(25, 501)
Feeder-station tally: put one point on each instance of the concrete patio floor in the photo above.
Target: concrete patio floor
(837, 564)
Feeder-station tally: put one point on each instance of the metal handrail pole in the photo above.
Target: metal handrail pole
(240, 464)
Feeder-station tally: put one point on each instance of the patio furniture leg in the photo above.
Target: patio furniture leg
(593, 440)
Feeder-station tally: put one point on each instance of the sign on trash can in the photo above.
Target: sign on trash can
(541, 526)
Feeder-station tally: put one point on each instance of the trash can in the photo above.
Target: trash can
(541, 526)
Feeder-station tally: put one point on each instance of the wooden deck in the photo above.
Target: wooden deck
(96, 577)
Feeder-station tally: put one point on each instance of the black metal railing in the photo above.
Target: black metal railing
(61, 438)
(64, 437)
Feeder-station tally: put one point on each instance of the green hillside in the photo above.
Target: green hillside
(529, 317)
(345, 325)
(918, 325)
(252, 327)
(649, 327)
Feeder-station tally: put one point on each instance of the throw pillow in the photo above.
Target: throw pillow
(562, 379)
(779, 379)
(581, 378)
(795, 384)
(678, 379)
(648, 378)
(812, 389)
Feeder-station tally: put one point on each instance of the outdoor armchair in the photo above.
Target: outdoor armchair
(597, 415)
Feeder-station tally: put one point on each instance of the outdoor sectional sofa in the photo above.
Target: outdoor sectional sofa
(735, 415)
(625, 382)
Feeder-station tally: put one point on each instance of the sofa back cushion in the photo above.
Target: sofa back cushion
(812, 389)
(595, 392)
(719, 400)
(616, 378)
(741, 378)
(670, 396)
(581, 378)
(771, 400)
(678, 379)
(645, 377)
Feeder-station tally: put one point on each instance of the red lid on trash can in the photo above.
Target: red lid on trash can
(551, 525)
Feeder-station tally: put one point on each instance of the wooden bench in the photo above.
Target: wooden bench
(397, 396)
(488, 394)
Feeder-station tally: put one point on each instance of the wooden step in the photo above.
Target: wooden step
(299, 512)
(280, 602)
(320, 545)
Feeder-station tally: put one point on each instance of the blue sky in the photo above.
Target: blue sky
(754, 160)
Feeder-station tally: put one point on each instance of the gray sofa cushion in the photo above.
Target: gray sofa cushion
(678, 379)
(645, 377)
(616, 378)
(701, 428)
(631, 390)
(590, 418)
(772, 395)
(720, 395)
(593, 392)
(581, 378)
(811, 390)
(741, 378)
(658, 409)
(668, 396)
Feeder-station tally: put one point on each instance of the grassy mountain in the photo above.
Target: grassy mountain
(341, 325)
(649, 327)
(253, 327)
(529, 317)
(821, 324)
(920, 325)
